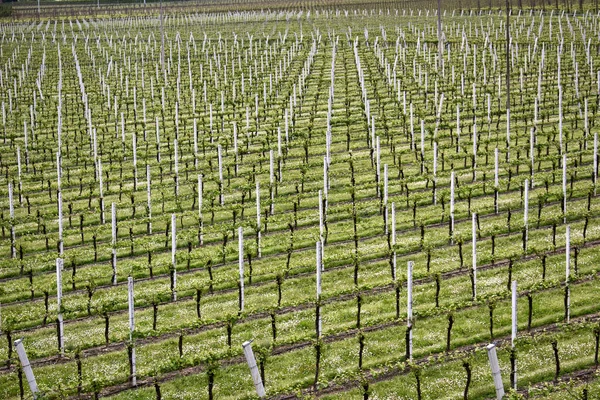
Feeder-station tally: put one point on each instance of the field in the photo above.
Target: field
(389, 199)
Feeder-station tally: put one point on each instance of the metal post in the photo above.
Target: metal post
(258, 219)
(241, 265)
(409, 306)
(173, 250)
(513, 335)
(474, 233)
(131, 328)
(27, 367)
(491, 349)
(260, 390)
(114, 242)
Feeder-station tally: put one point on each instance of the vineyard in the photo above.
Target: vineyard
(370, 200)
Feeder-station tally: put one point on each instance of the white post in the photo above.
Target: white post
(385, 187)
(134, 145)
(474, 150)
(200, 219)
(457, 126)
(148, 192)
(260, 390)
(435, 151)
(394, 241)
(564, 187)
(26, 367)
(176, 156)
(158, 138)
(595, 161)
(195, 142)
(495, 367)
(378, 164)
(318, 260)
(393, 224)
(325, 180)
(513, 335)
(496, 189)
(235, 145)
(474, 235)
(60, 222)
(526, 212)
(101, 194)
(409, 306)
(560, 119)
(258, 219)
(173, 250)
(131, 327)
(114, 242)
(531, 154)
(496, 167)
(13, 240)
(452, 189)
(59, 269)
(422, 139)
(221, 174)
(19, 173)
(321, 224)
(507, 134)
(130, 303)
(319, 269)
(568, 272)
(271, 180)
(241, 265)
